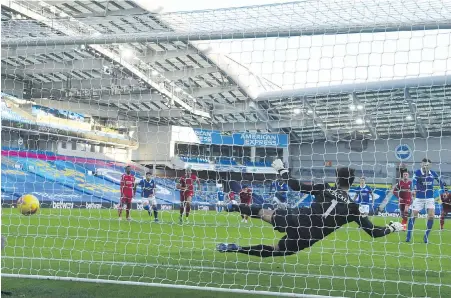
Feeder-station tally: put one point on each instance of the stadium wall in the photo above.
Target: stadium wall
(379, 156)
(43, 142)
(154, 144)
(116, 154)
(11, 138)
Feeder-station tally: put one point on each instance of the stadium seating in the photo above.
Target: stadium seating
(16, 181)
(330, 172)
(8, 114)
(194, 159)
(266, 164)
(229, 161)
(68, 176)
(54, 177)
(224, 160)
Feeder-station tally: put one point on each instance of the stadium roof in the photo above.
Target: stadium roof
(65, 57)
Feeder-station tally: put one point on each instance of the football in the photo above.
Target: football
(146, 205)
(28, 204)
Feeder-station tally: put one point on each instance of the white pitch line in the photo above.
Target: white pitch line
(165, 285)
(228, 269)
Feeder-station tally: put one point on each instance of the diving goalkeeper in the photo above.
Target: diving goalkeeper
(331, 209)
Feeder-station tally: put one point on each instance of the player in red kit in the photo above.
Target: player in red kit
(232, 197)
(127, 192)
(446, 207)
(245, 198)
(186, 186)
(403, 191)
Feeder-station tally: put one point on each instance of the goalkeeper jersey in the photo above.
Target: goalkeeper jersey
(331, 209)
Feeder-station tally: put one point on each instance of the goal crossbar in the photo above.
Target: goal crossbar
(205, 36)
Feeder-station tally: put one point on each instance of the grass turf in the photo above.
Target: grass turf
(90, 243)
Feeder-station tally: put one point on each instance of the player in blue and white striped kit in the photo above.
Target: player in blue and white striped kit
(423, 194)
(362, 197)
(281, 193)
(220, 203)
(148, 187)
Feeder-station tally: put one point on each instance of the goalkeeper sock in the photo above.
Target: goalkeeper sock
(251, 210)
(155, 214)
(410, 225)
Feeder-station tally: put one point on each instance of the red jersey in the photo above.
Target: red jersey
(246, 196)
(187, 183)
(127, 185)
(231, 195)
(403, 191)
(446, 198)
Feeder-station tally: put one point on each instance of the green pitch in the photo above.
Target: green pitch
(94, 244)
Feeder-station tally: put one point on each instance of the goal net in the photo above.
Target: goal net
(89, 88)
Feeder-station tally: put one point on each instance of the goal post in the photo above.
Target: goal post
(90, 88)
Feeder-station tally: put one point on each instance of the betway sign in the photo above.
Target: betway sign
(62, 205)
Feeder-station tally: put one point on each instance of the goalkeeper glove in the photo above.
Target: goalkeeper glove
(279, 167)
(394, 227)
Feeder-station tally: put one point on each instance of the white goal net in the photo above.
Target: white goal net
(93, 89)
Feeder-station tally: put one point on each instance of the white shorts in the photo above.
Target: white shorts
(220, 203)
(420, 204)
(364, 209)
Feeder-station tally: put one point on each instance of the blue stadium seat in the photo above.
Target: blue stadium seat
(194, 159)
(230, 161)
(263, 164)
(54, 178)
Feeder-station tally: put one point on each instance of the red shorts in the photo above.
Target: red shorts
(405, 202)
(185, 194)
(246, 202)
(403, 208)
(125, 200)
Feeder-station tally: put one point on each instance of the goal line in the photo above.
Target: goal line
(182, 287)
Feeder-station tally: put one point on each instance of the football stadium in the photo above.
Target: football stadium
(207, 149)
